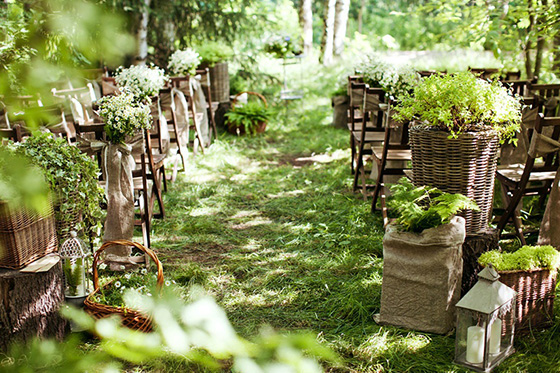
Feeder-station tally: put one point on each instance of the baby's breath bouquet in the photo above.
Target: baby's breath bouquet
(184, 62)
(142, 81)
(395, 80)
(123, 116)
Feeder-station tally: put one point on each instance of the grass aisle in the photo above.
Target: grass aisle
(269, 226)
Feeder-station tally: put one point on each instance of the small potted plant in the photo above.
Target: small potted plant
(458, 123)
(184, 62)
(530, 271)
(73, 178)
(248, 118)
(142, 82)
(422, 258)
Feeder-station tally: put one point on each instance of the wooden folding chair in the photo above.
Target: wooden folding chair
(368, 133)
(183, 84)
(356, 92)
(393, 157)
(211, 106)
(534, 177)
(520, 87)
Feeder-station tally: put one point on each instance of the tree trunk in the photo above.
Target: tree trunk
(142, 34)
(340, 22)
(29, 304)
(528, 43)
(361, 15)
(556, 54)
(328, 33)
(540, 44)
(306, 22)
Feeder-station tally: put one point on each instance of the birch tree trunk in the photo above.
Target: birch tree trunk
(306, 22)
(340, 22)
(328, 33)
(142, 34)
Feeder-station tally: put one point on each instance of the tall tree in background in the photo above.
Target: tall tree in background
(328, 33)
(342, 8)
(142, 33)
(306, 22)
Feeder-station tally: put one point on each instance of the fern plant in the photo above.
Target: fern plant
(248, 117)
(424, 207)
(525, 259)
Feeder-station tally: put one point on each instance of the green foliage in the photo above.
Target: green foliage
(421, 208)
(22, 183)
(213, 52)
(73, 275)
(282, 47)
(73, 179)
(248, 116)
(124, 116)
(461, 103)
(525, 259)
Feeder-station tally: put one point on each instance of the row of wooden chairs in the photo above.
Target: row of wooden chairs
(375, 139)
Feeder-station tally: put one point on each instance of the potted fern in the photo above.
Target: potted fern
(423, 262)
(458, 124)
(530, 271)
(248, 118)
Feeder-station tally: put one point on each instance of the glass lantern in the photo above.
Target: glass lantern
(75, 266)
(485, 323)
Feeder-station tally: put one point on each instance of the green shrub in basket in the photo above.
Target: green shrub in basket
(248, 116)
(526, 258)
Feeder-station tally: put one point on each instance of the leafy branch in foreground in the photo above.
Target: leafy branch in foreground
(198, 331)
(425, 207)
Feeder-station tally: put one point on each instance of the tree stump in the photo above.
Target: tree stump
(475, 244)
(29, 304)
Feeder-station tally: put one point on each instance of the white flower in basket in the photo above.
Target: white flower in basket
(184, 62)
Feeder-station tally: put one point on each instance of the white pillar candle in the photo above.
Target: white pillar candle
(495, 336)
(475, 344)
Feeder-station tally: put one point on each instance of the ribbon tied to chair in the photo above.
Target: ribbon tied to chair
(117, 166)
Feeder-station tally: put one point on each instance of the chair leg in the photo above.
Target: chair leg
(353, 150)
(359, 164)
(384, 212)
(378, 187)
(511, 204)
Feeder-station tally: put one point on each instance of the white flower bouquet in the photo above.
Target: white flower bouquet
(395, 80)
(142, 81)
(123, 116)
(184, 62)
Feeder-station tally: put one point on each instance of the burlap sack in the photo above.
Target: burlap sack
(422, 277)
(340, 105)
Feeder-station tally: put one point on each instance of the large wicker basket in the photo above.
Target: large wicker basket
(130, 318)
(25, 236)
(219, 82)
(465, 165)
(535, 297)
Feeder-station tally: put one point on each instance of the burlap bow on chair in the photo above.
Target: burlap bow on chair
(117, 166)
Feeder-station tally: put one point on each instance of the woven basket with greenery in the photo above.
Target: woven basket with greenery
(130, 318)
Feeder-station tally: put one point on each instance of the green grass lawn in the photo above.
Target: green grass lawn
(270, 227)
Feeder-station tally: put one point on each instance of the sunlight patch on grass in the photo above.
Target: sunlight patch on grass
(204, 211)
(252, 223)
(291, 193)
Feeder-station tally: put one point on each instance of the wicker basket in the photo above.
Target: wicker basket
(130, 318)
(219, 82)
(73, 217)
(465, 165)
(535, 297)
(25, 236)
(241, 130)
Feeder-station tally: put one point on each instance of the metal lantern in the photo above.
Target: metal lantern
(485, 323)
(75, 265)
